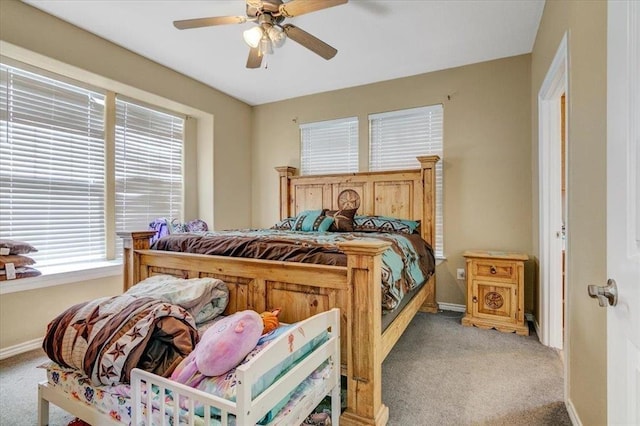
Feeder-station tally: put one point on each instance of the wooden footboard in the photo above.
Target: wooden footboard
(302, 290)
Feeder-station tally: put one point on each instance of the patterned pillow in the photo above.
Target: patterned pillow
(196, 225)
(22, 272)
(312, 220)
(342, 219)
(285, 224)
(418, 229)
(383, 224)
(17, 247)
(17, 260)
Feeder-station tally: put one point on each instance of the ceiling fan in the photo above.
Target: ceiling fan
(270, 32)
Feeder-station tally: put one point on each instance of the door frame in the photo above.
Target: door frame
(555, 84)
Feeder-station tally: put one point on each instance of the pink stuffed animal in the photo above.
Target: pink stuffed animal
(222, 347)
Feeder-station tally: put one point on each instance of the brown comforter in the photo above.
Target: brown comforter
(106, 338)
(273, 248)
(406, 265)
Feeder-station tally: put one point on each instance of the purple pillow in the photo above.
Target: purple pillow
(17, 247)
(222, 346)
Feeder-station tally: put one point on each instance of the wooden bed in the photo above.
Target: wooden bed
(303, 290)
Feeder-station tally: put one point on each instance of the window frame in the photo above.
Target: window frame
(63, 273)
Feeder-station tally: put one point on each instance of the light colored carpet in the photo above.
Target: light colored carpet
(19, 378)
(439, 373)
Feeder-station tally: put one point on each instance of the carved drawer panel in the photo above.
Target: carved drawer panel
(495, 269)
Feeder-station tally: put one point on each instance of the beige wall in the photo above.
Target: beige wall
(24, 315)
(487, 152)
(585, 23)
(220, 193)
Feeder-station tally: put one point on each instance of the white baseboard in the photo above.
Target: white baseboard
(452, 307)
(575, 420)
(20, 348)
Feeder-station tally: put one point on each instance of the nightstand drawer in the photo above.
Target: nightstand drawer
(494, 269)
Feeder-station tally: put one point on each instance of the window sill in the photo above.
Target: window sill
(440, 260)
(64, 274)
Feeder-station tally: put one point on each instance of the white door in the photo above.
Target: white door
(623, 211)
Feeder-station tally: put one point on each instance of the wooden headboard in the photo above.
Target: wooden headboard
(405, 194)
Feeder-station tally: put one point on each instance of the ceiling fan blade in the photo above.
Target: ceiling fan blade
(255, 58)
(207, 22)
(312, 43)
(300, 7)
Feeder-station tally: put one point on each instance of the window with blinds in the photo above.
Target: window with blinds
(53, 159)
(329, 147)
(398, 137)
(149, 147)
(52, 174)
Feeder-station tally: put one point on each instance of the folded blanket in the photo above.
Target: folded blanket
(204, 298)
(106, 338)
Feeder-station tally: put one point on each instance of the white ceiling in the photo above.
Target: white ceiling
(376, 40)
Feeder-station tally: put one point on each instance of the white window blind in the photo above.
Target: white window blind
(329, 147)
(149, 146)
(52, 176)
(398, 137)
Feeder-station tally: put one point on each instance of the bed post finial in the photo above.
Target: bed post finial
(132, 241)
(428, 166)
(285, 173)
(428, 225)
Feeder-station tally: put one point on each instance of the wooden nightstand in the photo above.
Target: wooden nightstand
(495, 291)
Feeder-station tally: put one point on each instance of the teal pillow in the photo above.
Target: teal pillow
(312, 220)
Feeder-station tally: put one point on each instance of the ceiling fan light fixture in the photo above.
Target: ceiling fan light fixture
(270, 33)
(277, 36)
(253, 35)
(266, 47)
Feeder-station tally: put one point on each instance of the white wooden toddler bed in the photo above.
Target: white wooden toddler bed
(299, 388)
